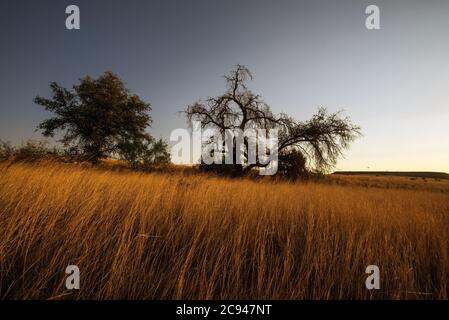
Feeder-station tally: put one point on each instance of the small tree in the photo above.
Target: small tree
(293, 164)
(98, 118)
(315, 144)
(146, 154)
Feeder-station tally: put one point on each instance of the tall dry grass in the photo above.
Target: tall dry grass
(156, 236)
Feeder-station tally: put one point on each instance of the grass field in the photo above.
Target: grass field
(183, 236)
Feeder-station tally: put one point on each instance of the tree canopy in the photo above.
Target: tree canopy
(100, 118)
(315, 144)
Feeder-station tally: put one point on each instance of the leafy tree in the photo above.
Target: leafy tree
(315, 144)
(98, 118)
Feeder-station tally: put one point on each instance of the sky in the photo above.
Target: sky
(393, 82)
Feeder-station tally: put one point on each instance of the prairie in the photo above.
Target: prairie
(192, 236)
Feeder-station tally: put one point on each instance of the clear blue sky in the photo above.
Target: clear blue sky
(394, 82)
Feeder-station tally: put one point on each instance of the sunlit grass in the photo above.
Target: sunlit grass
(158, 236)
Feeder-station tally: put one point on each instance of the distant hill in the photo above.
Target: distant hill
(416, 174)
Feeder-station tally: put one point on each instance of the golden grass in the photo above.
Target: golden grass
(158, 236)
(391, 182)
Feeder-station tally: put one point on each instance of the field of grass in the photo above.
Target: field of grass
(391, 182)
(183, 236)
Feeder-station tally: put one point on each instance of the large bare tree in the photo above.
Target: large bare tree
(315, 144)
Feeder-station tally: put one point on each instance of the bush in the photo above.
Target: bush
(145, 155)
(155, 155)
(6, 150)
(293, 165)
(29, 151)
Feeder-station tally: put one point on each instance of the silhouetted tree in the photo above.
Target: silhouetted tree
(293, 164)
(99, 118)
(320, 140)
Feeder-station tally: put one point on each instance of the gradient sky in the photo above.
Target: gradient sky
(394, 82)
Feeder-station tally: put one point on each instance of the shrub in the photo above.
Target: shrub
(31, 151)
(6, 150)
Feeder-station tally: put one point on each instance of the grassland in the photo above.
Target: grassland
(185, 236)
(390, 182)
(409, 174)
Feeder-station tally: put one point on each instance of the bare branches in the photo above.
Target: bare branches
(322, 139)
(238, 107)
